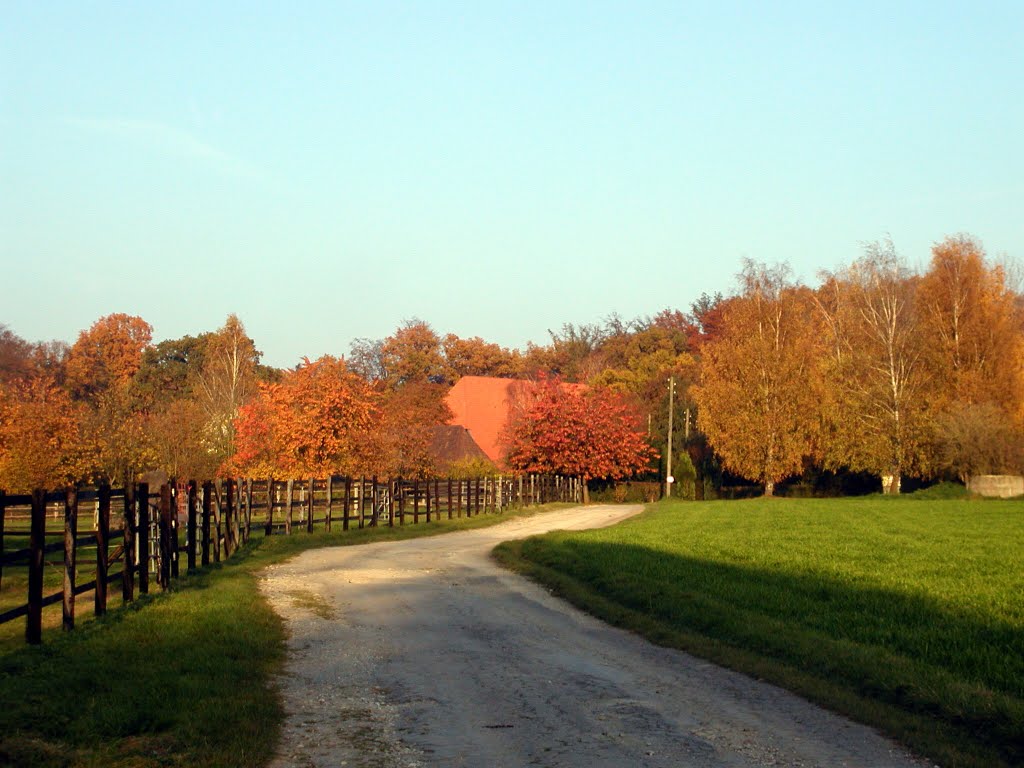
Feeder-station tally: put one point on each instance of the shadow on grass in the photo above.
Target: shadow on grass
(830, 640)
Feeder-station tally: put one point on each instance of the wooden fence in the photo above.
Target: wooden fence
(136, 533)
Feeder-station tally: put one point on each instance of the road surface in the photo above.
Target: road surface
(426, 653)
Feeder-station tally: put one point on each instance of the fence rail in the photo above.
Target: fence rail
(218, 518)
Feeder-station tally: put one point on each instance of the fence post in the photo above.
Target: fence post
(142, 537)
(271, 491)
(173, 525)
(359, 498)
(415, 501)
(400, 493)
(309, 508)
(217, 516)
(345, 501)
(102, 545)
(427, 492)
(3, 514)
(190, 526)
(330, 503)
(248, 510)
(70, 542)
(229, 518)
(128, 572)
(164, 526)
(36, 542)
(207, 511)
(392, 492)
(374, 500)
(290, 500)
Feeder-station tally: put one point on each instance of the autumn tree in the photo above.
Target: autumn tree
(227, 379)
(572, 351)
(366, 359)
(172, 369)
(760, 384)
(585, 433)
(978, 439)
(413, 353)
(49, 359)
(177, 439)
(706, 317)
(409, 416)
(877, 405)
(40, 436)
(116, 435)
(319, 419)
(637, 360)
(107, 355)
(970, 328)
(15, 355)
(476, 357)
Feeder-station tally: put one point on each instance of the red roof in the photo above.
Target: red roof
(482, 405)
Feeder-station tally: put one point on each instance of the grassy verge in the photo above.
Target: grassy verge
(906, 614)
(177, 679)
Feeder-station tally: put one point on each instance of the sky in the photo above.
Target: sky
(328, 171)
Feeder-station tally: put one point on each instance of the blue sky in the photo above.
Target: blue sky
(327, 171)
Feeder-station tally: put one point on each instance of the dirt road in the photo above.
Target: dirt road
(426, 653)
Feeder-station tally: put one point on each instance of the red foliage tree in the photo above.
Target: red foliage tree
(583, 433)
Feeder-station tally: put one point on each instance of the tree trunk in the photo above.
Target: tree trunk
(891, 483)
(586, 491)
(769, 489)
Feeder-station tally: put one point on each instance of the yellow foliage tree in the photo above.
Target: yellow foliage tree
(760, 381)
(972, 327)
(879, 397)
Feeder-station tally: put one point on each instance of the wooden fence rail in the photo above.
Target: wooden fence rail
(144, 538)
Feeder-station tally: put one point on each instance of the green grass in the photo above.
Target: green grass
(176, 679)
(908, 615)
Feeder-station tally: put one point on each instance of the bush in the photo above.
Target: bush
(629, 492)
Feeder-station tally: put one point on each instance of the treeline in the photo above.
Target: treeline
(876, 370)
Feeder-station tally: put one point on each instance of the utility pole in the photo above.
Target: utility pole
(671, 416)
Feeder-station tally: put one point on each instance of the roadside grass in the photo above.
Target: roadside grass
(183, 678)
(907, 615)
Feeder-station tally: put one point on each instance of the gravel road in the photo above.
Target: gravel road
(426, 653)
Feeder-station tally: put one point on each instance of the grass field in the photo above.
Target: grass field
(176, 679)
(906, 614)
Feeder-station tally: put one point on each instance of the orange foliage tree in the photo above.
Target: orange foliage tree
(590, 434)
(412, 353)
(107, 355)
(476, 357)
(40, 436)
(320, 419)
(409, 417)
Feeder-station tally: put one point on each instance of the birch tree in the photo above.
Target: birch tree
(972, 327)
(760, 384)
(878, 398)
(227, 380)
